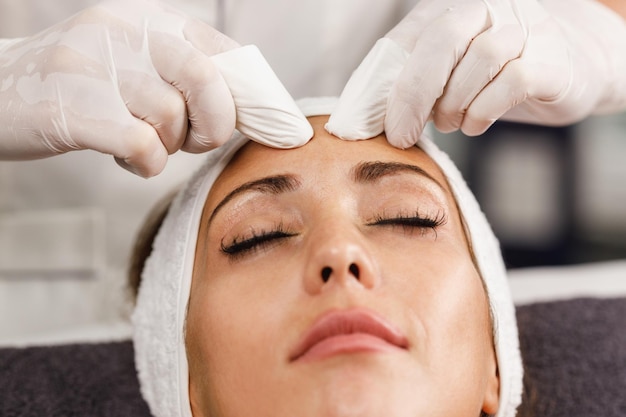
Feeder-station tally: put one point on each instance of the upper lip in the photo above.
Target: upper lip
(340, 322)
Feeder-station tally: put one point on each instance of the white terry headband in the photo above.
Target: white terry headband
(159, 316)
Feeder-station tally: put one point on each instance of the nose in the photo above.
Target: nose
(339, 257)
(353, 269)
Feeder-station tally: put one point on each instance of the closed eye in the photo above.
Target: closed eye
(241, 246)
(411, 223)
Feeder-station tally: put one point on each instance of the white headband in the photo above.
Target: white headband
(159, 316)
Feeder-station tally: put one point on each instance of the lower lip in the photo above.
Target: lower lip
(346, 344)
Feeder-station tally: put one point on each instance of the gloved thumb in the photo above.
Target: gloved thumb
(362, 106)
(265, 111)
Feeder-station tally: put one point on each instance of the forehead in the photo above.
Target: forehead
(323, 155)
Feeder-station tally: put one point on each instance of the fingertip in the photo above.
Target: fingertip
(446, 129)
(213, 133)
(401, 140)
(476, 127)
(173, 128)
(143, 170)
(447, 123)
(446, 115)
(346, 130)
(402, 127)
(144, 153)
(212, 112)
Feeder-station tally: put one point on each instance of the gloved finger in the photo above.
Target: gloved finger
(360, 111)
(423, 79)
(145, 162)
(411, 28)
(92, 117)
(507, 90)
(485, 57)
(158, 104)
(526, 78)
(210, 107)
(135, 144)
(362, 107)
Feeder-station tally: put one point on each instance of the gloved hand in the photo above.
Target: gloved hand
(466, 63)
(138, 80)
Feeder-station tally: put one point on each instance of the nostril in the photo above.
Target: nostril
(326, 271)
(354, 270)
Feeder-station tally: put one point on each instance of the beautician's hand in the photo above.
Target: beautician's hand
(138, 80)
(466, 63)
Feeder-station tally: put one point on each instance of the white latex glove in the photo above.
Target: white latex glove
(466, 63)
(138, 80)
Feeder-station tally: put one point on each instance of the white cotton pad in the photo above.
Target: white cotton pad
(360, 114)
(266, 113)
(159, 316)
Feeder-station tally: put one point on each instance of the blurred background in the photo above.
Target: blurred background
(555, 197)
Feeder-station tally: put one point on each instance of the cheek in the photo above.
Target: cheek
(233, 334)
(434, 268)
(446, 308)
(226, 317)
(443, 295)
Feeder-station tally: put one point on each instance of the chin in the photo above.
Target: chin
(361, 388)
(372, 406)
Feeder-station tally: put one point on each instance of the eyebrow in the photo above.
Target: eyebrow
(363, 172)
(276, 184)
(368, 172)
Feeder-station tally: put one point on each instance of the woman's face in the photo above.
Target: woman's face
(335, 280)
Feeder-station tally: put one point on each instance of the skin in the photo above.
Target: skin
(247, 312)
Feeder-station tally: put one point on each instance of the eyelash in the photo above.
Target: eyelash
(241, 246)
(411, 223)
(263, 239)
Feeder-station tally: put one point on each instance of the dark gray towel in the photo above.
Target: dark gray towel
(574, 358)
(574, 353)
(90, 380)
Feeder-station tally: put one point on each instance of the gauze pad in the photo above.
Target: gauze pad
(361, 112)
(266, 113)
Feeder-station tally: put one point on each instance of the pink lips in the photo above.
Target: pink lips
(348, 331)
